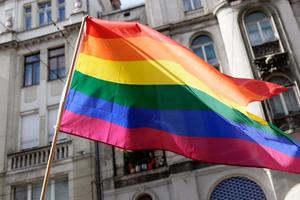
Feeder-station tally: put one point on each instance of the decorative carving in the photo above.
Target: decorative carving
(116, 4)
(9, 19)
(271, 62)
(77, 5)
(9, 23)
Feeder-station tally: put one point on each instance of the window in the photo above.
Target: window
(52, 117)
(27, 17)
(137, 161)
(57, 190)
(61, 10)
(191, 4)
(262, 34)
(237, 188)
(30, 131)
(259, 28)
(286, 103)
(36, 190)
(44, 13)
(20, 192)
(32, 70)
(203, 46)
(57, 63)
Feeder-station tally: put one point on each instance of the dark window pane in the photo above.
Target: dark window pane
(187, 5)
(199, 52)
(20, 193)
(291, 101)
(32, 70)
(49, 16)
(210, 54)
(53, 69)
(41, 19)
(276, 107)
(197, 4)
(61, 13)
(61, 66)
(28, 75)
(36, 73)
(28, 22)
(57, 63)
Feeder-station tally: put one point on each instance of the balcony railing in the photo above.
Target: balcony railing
(38, 156)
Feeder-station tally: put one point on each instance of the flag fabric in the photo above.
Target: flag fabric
(136, 89)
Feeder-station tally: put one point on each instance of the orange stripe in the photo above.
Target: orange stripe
(145, 48)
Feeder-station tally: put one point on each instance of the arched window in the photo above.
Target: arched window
(259, 28)
(203, 46)
(261, 33)
(237, 188)
(286, 103)
(191, 5)
(144, 197)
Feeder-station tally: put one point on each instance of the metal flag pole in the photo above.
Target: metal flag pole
(59, 116)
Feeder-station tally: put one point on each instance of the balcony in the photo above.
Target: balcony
(278, 61)
(39, 156)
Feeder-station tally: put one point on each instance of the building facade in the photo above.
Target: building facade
(242, 38)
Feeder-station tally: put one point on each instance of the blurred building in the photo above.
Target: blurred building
(243, 38)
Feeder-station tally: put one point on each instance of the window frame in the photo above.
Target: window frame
(36, 82)
(295, 90)
(21, 138)
(51, 187)
(27, 15)
(59, 6)
(62, 137)
(58, 76)
(47, 19)
(260, 31)
(270, 14)
(192, 4)
(202, 46)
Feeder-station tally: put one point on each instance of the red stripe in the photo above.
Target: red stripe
(214, 150)
(112, 29)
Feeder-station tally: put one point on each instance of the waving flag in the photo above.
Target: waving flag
(137, 89)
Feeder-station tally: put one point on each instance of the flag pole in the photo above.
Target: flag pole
(59, 116)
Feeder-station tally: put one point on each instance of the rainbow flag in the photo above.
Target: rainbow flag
(137, 89)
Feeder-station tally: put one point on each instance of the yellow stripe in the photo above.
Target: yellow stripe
(149, 72)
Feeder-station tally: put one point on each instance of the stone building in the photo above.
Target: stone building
(243, 38)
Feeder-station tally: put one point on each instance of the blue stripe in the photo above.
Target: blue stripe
(194, 123)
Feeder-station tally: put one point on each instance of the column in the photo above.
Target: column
(238, 61)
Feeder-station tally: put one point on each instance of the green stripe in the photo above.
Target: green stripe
(171, 97)
(144, 96)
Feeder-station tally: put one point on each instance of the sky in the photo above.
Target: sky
(129, 3)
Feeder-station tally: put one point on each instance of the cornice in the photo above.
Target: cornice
(15, 43)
